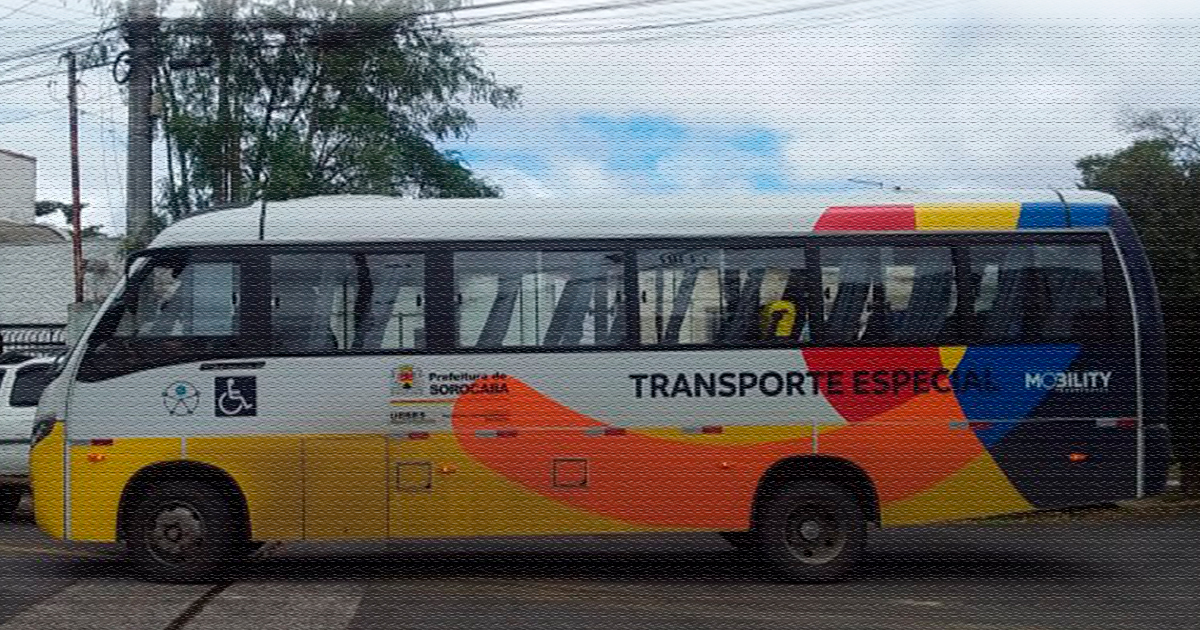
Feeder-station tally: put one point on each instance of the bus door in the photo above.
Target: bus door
(336, 317)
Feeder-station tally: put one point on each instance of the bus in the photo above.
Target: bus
(789, 371)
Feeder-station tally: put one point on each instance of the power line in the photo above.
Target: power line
(33, 77)
(640, 14)
(817, 6)
(32, 115)
(43, 75)
(910, 6)
(23, 9)
(57, 47)
(529, 15)
(16, 10)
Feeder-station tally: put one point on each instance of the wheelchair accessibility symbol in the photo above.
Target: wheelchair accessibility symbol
(235, 396)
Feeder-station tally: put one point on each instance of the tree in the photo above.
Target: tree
(291, 98)
(1157, 180)
(45, 208)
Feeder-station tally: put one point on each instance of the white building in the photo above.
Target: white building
(36, 263)
(18, 186)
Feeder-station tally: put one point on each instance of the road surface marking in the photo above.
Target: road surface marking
(109, 605)
(280, 606)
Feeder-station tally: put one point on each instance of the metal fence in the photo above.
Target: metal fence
(34, 340)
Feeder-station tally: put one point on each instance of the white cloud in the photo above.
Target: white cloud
(996, 93)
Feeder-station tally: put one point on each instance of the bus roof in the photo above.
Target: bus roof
(367, 218)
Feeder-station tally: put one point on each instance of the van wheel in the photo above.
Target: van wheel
(184, 531)
(812, 531)
(10, 499)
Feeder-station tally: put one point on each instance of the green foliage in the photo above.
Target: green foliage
(1157, 180)
(44, 208)
(323, 98)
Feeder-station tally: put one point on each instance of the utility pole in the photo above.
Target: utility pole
(77, 207)
(141, 32)
(227, 185)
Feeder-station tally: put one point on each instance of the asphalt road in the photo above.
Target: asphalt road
(1094, 575)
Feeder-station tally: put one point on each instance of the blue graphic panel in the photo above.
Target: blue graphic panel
(1042, 214)
(1089, 215)
(994, 383)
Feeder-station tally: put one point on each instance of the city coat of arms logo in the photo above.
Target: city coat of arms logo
(406, 380)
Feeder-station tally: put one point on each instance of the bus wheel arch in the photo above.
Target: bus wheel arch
(217, 479)
(823, 468)
(810, 518)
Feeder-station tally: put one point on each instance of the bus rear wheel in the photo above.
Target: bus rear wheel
(184, 531)
(812, 531)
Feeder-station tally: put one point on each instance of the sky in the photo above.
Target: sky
(974, 94)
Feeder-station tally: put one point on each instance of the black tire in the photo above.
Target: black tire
(10, 499)
(742, 541)
(812, 531)
(185, 531)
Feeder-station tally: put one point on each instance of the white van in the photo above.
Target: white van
(21, 385)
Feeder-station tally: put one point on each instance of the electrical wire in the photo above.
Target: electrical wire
(529, 15)
(43, 75)
(841, 19)
(32, 115)
(57, 47)
(817, 6)
(17, 10)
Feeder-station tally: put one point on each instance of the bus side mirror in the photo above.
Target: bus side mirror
(59, 364)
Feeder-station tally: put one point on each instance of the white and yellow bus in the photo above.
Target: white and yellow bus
(786, 370)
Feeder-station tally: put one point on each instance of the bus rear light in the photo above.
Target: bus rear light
(1077, 458)
(96, 458)
(1117, 423)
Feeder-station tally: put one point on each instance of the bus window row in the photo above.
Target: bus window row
(710, 296)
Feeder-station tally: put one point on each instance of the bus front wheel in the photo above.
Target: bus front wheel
(812, 531)
(184, 531)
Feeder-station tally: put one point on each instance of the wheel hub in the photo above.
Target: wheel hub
(810, 530)
(178, 531)
(814, 534)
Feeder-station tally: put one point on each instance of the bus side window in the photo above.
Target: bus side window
(1032, 293)
(852, 287)
(342, 301)
(722, 296)
(921, 294)
(1071, 299)
(174, 311)
(998, 291)
(176, 300)
(539, 299)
